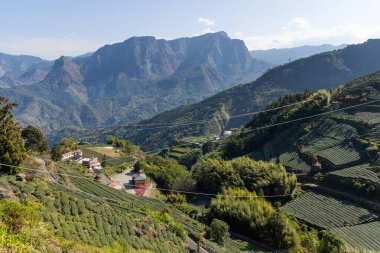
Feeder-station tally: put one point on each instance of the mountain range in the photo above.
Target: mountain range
(215, 114)
(133, 80)
(278, 56)
(22, 70)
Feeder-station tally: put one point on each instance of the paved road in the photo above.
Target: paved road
(103, 179)
(125, 178)
(148, 190)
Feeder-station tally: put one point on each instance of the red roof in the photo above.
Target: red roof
(114, 184)
(78, 150)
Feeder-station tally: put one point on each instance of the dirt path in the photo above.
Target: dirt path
(43, 163)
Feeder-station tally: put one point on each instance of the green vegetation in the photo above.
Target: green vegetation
(327, 212)
(213, 175)
(330, 243)
(218, 231)
(34, 140)
(166, 172)
(12, 150)
(125, 146)
(21, 229)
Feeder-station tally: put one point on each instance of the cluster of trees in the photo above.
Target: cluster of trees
(248, 213)
(34, 140)
(245, 143)
(166, 172)
(190, 158)
(12, 150)
(214, 174)
(125, 146)
(180, 202)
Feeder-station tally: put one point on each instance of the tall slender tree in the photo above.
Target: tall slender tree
(12, 150)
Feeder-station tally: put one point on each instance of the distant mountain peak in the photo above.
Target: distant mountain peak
(65, 70)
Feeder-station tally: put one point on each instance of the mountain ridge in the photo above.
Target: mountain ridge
(280, 56)
(133, 80)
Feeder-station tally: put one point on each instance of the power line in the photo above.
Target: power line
(163, 189)
(299, 119)
(309, 117)
(283, 123)
(164, 125)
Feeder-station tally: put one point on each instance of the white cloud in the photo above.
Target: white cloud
(206, 21)
(300, 32)
(49, 47)
(297, 23)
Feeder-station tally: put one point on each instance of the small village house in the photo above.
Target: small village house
(74, 155)
(91, 163)
(139, 180)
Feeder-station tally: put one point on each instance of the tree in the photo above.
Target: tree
(12, 150)
(104, 163)
(138, 166)
(176, 198)
(280, 231)
(218, 231)
(64, 145)
(56, 153)
(34, 139)
(330, 243)
(212, 175)
(200, 239)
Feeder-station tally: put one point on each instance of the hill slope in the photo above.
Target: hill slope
(134, 80)
(342, 146)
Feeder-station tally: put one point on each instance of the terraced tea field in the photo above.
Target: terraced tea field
(371, 117)
(134, 202)
(357, 172)
(341, 154)
(327, 212)
(374, 134)
(330, 140)
(293, 161)
(366, 235)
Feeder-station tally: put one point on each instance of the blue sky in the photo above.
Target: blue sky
(50, 28)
